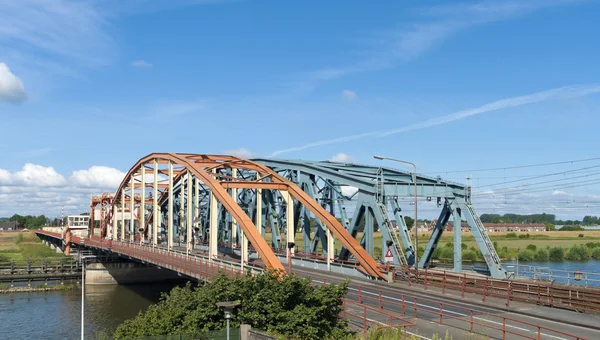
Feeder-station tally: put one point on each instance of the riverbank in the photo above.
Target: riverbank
(6, 289)
(23, 246)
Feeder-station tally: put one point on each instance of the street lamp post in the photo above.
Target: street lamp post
(416, 250)
(228, 307)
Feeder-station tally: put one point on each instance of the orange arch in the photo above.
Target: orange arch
(201, 166)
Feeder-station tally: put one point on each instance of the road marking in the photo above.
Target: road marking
(431, 307)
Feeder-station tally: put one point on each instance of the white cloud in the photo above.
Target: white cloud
(343, 158)
(437, 24)
(349, 95)
(97, 177)
(574, 91)
(32, 175)
(11, 87)
(348, 191)
(47, 29)
(241, 152)
(141, 64)
(38, 189)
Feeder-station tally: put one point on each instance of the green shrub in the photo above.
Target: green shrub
(436, 253)
(596, 253)
(556, 254)
(592, 245)
(447, 253)
(469, 255)
(532, 247)
(290, 307)
(541, 255)
(526, 255)
(511, 235)
(578, 253)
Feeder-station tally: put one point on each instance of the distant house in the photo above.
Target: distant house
(8, 225)
(514, 227)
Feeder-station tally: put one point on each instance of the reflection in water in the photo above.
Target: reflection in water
(57, 315)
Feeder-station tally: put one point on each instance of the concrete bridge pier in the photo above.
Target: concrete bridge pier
(110, 273)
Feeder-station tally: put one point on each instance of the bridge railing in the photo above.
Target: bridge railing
(577, 298)
(449, 314)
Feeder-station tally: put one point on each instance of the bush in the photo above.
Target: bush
(290, 307)
(578, 253)
(556, 254)
(511, 235)
(469, 255)
(592, 245)
(526, 255)
(532, 247)
(447, 253)
(524, 236)
(541, 255)
(596, 253)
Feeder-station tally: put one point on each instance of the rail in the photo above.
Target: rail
(449, 314)
(576, 298)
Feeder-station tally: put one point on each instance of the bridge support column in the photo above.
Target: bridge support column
(122, 234)
(155, 217)
(170, 209)
(259, 210)
(131, 217)
(214, 226)
(289, 220)
(188, 212)
(457, 237)
(143, 204)
(196, 208)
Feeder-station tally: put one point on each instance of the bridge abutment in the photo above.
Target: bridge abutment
(126, 273)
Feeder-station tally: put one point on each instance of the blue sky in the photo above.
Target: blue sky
(88, 87)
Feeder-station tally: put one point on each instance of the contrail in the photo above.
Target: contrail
(572, 91)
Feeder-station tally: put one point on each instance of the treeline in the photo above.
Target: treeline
(31, 222)
(516, 218)
(538, 218)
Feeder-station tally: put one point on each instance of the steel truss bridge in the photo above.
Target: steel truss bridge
(260, 208)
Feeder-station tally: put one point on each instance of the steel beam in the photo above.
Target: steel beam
(155, 223)
(188, 212)
(143, 203)
(131, 218)
(170, 208)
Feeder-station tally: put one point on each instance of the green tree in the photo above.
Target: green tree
(556, 254)
(409, 222)
(469, 255)
(290, 307)
(596, 253)
(578, 253)
(541, 255)
(532, 247)
(526, 255)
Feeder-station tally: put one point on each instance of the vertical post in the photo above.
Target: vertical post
(170, 209)
(214, 225)
(196, 207)
(114, 221)
(259, 210)
(82, 300)
(290, 235)
(457, 240)
(131, 218)
(156, 220)
(329, 249)
(143, 204)
(189, 212)
(122, 237)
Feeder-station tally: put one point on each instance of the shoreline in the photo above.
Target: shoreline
(35, 289)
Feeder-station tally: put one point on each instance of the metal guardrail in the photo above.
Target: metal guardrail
(576, 298)
(450, 314)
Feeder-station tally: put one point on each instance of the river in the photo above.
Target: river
(57, 314)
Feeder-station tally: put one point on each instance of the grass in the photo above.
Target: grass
(563, 239)
(24, 245)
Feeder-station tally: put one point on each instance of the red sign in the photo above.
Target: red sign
(389, 257)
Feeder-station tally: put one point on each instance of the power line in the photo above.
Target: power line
(518, 166)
